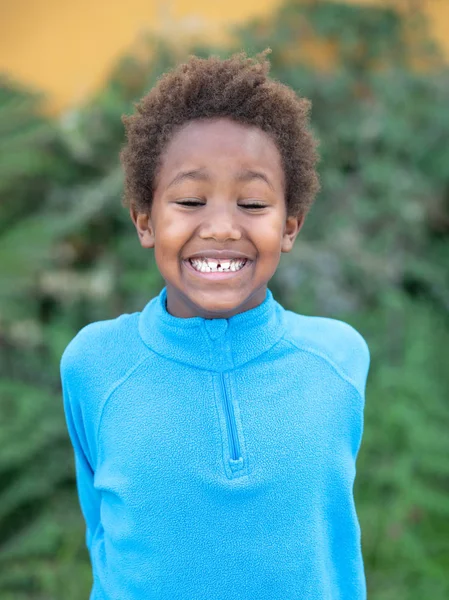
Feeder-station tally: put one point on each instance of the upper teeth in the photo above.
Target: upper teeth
(208, 265)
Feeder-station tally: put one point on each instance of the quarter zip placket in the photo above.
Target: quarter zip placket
(218, 347)
(234, 446)
(233, 449)
(235, 461)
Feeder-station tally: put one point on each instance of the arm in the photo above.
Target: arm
(89, 497)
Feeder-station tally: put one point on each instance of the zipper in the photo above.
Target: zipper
(234, 446)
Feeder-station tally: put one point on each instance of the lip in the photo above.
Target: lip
(218, 254)
(217, 274)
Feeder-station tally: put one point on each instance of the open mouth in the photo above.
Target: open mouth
(217, 267)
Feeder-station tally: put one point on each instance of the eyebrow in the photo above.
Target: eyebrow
(249, 174)
(195, 175)
(201, 175)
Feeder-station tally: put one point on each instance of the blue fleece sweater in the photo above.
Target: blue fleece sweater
(215, 458)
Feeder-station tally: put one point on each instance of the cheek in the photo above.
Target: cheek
(170, 235)
(269, 236)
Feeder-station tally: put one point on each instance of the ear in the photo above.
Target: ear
(291, 230)
(144, 227)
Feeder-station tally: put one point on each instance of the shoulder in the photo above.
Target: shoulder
(336, 342)
(102, 347)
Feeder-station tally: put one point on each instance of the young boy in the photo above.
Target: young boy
(216, 433)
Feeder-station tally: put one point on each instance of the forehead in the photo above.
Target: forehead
(221, 144)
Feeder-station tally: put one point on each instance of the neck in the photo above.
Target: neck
(179, 305)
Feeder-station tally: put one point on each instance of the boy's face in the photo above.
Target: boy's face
(219, 191)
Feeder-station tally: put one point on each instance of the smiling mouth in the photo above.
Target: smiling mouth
(217, 268)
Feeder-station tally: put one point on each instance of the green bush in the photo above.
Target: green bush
(374, 252)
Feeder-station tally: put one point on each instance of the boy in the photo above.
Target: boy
(216, 433)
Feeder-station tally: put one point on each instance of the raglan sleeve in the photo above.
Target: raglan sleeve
(352, 354)
(358, 365)
(89, 497)
(364, 361)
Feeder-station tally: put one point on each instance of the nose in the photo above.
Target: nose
(220, 224)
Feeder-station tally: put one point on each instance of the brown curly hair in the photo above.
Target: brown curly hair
(238, 88)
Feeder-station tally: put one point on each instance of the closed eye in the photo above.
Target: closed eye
(252, 206)
(198, 203)
(190, 203)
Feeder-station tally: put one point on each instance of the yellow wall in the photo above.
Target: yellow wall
(66, 48)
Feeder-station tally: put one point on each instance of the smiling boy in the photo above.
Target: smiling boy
(216, 433)
(207, 164)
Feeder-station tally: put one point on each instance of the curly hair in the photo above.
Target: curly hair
(237, 88)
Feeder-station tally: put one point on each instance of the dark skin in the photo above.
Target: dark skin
(221, 187)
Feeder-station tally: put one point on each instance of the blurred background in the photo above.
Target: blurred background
(374, 250)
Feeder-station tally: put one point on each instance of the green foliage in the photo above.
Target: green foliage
(374, 252)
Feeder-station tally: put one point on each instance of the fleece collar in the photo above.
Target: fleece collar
(212, 344)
